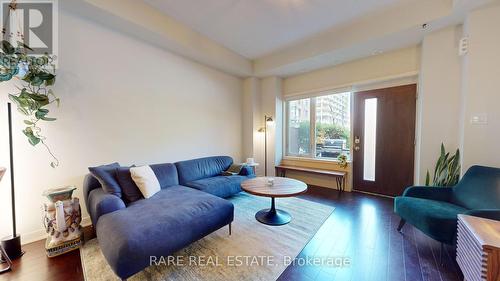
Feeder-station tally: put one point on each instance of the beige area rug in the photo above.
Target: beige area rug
(254, 251)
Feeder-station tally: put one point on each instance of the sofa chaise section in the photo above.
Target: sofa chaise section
(168, 221)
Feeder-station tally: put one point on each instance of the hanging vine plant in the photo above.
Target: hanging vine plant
(35, 76)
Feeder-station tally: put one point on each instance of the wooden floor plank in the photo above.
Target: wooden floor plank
(428, 263)
(396, 258)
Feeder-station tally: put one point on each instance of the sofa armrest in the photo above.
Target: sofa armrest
(493, 214)
(247, 171)
(101, 203)
(430, 192)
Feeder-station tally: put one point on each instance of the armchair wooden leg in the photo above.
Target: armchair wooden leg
(230, 230)
(401, 224)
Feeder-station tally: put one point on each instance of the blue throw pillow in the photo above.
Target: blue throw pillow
(106, 175)
(130, 191)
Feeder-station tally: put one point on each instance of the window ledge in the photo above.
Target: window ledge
(308, 159)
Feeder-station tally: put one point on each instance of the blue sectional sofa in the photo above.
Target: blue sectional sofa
(187, 208)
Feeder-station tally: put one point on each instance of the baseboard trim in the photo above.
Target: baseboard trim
(40, 234)
(374, 194)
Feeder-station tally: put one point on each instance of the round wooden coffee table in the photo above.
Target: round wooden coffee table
(282, 187)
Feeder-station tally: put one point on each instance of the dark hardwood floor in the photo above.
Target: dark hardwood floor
(36, 266)
(362, 228)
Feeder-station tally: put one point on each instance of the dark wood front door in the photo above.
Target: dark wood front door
(384, 139)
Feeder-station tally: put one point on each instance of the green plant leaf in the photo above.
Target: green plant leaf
(40, 100)
(40, 113)
(427, 179)
(7, 47)
(32, 139)
(50, 82)
(48, 118)
(28, 122)
(36, 81)
(5, 77)
(23, 111)
(447, 169)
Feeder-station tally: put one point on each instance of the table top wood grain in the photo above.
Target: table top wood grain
(486, 231)
(282, 187)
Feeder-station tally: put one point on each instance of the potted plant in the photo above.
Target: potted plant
(447, 170)
(35, 77)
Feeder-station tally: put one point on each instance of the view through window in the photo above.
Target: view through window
(328, 136)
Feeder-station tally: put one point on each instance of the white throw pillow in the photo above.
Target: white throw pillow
(146, 180)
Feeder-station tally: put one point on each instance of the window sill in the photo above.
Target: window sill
(308, 159)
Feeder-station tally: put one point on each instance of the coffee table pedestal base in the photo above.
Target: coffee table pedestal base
(273, 216)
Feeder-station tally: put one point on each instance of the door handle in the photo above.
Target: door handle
(357, 141)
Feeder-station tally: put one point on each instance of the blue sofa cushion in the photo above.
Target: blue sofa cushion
(100, 203)
(221, 186)
(106, 175)
(166, 174)
(478, 189)
(438, 219)
(130, 191)
(89, 183)
(247, 171)
(159, 226)
(192, 170)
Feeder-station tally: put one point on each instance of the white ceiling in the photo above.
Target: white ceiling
(254, 28)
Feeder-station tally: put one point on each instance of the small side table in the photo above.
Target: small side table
(253, 165)
(281, 187)
(478, 248)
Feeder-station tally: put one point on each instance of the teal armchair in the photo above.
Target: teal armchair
(434, 210)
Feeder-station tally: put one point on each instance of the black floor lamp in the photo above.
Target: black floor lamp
(11, 245)
(268, 120)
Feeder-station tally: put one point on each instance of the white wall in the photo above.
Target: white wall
(122, 100)
(481, 94)
(272, 105)
(372, 68)
(253, 119)
(439, 98)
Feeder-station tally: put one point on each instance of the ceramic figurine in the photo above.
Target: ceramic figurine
(62, 221)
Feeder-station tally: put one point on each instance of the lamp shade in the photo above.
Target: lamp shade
(269, 120)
